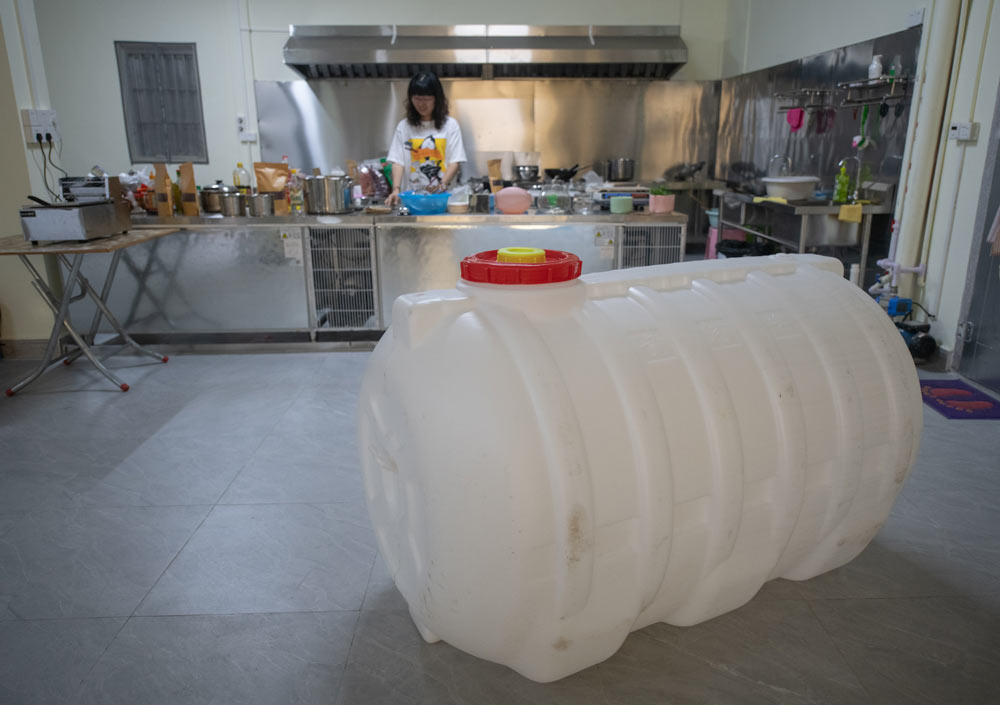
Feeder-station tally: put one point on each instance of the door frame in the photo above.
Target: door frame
(978, 236)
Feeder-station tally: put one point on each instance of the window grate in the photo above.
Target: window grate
(343, 279)
(161, 98)
(645, 245)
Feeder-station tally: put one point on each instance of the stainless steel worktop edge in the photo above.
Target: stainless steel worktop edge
(361, 219)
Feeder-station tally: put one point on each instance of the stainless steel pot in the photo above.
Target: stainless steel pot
(233, 204)
(620, 169)
(328, 195)
(261, 204)
(210, 196)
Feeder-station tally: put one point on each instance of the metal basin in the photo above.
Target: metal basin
(829, 230)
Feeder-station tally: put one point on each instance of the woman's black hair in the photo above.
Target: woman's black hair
(426, 83)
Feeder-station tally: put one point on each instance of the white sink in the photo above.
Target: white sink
(792, 188)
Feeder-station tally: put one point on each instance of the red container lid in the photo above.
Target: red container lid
(483, 268)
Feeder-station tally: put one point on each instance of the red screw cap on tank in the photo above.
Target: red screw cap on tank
(521, 265)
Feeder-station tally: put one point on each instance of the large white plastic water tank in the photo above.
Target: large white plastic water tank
(551, 467)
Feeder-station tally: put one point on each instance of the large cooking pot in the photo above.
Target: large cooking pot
(620, 169)
(327, 195)
(210, 196)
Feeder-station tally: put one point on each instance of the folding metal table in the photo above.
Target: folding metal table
(71, 254)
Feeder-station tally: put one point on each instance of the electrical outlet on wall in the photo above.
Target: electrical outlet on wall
(39, 122)
(241, 129)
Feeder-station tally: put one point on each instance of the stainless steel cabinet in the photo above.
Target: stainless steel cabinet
(249, 279)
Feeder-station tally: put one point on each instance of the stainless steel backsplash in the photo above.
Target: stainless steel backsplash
(659, 124)
(733, 125)
(751, 130)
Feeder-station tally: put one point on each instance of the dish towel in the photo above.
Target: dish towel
(772, 199)
(850, 214)
(794, 118)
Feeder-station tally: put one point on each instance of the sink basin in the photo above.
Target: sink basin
(792, 188)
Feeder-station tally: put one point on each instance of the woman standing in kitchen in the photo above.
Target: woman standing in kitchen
(427, 146)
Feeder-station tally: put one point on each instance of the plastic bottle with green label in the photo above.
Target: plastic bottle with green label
(842, 186)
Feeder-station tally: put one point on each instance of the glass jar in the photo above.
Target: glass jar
(555, 199)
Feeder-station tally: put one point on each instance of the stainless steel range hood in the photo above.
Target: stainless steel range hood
(485, 51)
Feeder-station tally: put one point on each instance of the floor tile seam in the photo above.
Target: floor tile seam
(86, 676)
(840, 652)
(883, 598)
(260, 442)
(156, 582)
(187, 615)
(357, 622)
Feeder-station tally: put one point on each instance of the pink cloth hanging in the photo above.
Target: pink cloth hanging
(795, 118)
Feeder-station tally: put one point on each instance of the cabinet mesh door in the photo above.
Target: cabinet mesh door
(343, 279)
(645, 245)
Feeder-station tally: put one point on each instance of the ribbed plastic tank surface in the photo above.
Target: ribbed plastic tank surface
(549, 467)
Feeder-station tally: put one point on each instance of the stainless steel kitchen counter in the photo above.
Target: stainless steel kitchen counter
(339, 274)
(810, 207)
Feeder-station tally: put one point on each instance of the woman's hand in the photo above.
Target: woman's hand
(392, 199)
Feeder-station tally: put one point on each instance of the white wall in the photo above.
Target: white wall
(25, 316)
(962, 171)
(87, 97)
(77, 40)
(776, 31)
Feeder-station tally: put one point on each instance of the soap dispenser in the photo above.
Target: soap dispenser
(842, 185)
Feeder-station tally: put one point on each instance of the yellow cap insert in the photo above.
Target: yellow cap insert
(521, 255)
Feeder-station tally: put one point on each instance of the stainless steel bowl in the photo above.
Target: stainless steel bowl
(526, 173)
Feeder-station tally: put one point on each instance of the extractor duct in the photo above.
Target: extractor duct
(485, 51)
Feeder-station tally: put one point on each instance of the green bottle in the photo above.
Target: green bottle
(842, 185)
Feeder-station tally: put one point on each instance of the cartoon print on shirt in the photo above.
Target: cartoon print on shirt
(426, 160)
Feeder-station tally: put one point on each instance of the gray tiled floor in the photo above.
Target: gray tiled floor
(203, 539)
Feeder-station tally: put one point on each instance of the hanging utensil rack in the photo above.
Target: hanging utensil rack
(874, 91)
(808, 99)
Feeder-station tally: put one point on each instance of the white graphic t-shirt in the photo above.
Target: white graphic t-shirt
(425, 152)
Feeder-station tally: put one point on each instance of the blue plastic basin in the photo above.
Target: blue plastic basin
(425, 203)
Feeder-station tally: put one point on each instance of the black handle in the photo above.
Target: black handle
(39, 201)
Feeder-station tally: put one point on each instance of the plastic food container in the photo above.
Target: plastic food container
(553, 461)
(621, 204)
(425, 203)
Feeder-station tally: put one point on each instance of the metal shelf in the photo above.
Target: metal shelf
(871, 91)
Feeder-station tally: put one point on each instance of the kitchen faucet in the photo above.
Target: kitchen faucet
(786, 165)
(857, 174)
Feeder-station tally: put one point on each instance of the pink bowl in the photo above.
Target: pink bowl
(513, 200)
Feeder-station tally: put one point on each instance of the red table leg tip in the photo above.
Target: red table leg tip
(124, 387)
(10, 392)
(67, 362)
(164, 358)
